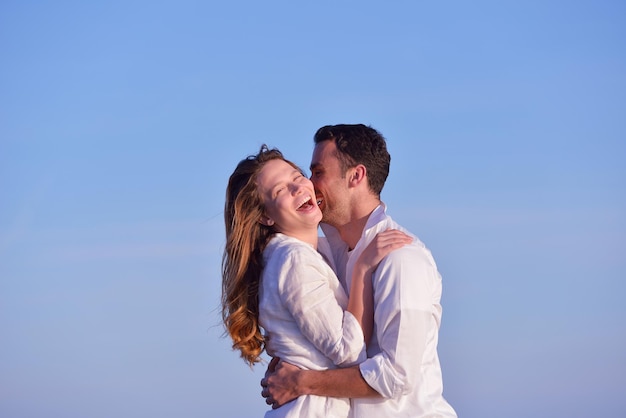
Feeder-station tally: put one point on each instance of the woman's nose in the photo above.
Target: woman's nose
(296, 189)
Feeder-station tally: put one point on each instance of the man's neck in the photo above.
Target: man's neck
(351, 231)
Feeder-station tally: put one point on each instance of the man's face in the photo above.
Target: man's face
(331, 188)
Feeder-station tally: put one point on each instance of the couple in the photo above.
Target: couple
(354, 317)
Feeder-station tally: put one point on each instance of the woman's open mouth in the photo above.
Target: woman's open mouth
(306, 204)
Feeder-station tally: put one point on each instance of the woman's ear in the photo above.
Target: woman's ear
(266, 220)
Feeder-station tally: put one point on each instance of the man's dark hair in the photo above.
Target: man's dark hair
(359, 144)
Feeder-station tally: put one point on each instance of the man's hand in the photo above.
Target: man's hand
(280, 384)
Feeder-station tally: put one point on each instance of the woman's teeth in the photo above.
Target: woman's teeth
(305, 203)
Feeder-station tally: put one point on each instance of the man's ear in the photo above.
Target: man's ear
(266, 220)
(357, 174)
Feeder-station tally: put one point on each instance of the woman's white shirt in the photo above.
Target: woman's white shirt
(302, 310)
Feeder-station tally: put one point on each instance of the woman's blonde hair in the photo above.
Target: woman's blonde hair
(242, 262)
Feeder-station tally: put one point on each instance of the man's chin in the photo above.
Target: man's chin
(327, 220)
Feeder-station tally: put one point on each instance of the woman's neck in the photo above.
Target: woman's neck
(308, 236)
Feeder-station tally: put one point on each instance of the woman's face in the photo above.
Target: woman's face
(289, 199)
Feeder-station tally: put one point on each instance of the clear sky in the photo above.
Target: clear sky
(120, 122)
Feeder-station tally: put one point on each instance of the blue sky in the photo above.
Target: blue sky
(120, 123)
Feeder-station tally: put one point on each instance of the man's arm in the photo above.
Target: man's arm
(287, 382)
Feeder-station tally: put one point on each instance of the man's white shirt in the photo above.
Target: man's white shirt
(402, 364)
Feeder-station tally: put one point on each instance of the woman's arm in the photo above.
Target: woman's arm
(361, 301)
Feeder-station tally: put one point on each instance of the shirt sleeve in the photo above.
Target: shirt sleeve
(307, 293)
(405, 319)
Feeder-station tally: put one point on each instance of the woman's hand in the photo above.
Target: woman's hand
(383, 243)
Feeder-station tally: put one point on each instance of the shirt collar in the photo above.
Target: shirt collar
(332, 234)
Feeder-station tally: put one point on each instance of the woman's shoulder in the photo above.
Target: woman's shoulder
(284, 247)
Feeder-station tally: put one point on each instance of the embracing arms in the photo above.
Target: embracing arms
(284, 382)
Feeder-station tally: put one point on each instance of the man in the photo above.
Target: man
(402, 375)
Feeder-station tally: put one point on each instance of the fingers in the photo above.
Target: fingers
(394, 235)
(275, 389)
(383, 243)
(265, 392)
(392, 238)
(388, 241)
(272, 366)
(269, 400)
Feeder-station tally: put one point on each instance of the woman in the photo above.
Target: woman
(275, 280)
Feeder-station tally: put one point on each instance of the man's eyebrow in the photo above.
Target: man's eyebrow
(314, 166)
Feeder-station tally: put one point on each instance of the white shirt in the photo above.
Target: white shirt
(301, 309)
(402, 365)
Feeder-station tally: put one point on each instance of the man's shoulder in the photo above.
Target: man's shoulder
(413, 253)
(387, 222)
